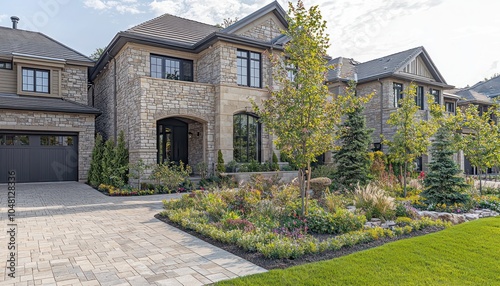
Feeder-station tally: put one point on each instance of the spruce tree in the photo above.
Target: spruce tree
(220, 168)
(107, 162)
(95, 171)
(353, 163)
(443, 183)
(121, 159)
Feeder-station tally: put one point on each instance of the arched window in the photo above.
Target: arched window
(246, 138)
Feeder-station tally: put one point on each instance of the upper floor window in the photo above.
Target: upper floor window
(6, 65)
(450, 106)
(398, 93)
(420, 97)
(248, 68)
(171, 68)
(36, 80)
(436, 94)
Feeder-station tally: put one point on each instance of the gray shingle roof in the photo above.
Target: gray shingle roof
(36, 44)
(380, 67)
(489, 88)
(16, 102)
(173, 28)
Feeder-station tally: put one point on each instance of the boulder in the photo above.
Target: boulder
(471, 216)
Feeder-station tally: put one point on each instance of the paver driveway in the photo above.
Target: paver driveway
(70, 234)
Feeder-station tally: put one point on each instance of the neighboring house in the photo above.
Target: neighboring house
(46, 126)
(387, 77)
(181, 90)
(481, 94)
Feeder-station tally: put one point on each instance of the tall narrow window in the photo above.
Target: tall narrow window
(171, 68)
(449, 106)
(398, 93)
(246, 138)
(420, 97)
(35, 80)
(248, 64)
(437, 95)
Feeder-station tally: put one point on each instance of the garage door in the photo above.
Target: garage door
(39, 157)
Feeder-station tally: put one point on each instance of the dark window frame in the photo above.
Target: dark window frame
(35, 89)
(182, 69)
(437, 95)
(247, 137)
(5, 65)
(397, 88)
(419, 98)
(248, 60)
(446, 104)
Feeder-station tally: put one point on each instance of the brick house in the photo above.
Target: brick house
(388, 76)
(46, 126)
(180, 90)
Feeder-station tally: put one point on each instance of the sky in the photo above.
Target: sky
(462, 37)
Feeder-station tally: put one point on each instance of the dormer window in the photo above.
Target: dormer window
(5, 65)
(36, 80)
(171, 68)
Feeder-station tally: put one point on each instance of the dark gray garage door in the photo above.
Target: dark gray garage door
(39, 157)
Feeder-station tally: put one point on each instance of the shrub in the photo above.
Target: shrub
(137, 171)
(171, 175)
(332, 202)
(327, 171)
(232, 166)
(275, 166)
(202, 169)
(374, 202)
(220, 163)
(95, 171)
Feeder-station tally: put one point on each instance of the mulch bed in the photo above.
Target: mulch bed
(260, 260)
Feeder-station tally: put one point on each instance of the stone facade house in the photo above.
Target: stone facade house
(181, 90)
(387, 77)
(46, 126)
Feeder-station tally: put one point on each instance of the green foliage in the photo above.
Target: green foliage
(413, 133)
(374, 202)
(352, 160)
(202, 169)
(95, 171)
(443, 182)
(137, 171)
(481, 139)
(120, 159)
(324, 171)
(220, 163)
(97, 53)
(171, 175)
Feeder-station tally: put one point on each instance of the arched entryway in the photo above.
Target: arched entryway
(172, 140)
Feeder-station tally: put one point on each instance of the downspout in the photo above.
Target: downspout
(115, 120)
(381, 109)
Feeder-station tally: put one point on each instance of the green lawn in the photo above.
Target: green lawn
(466, 254)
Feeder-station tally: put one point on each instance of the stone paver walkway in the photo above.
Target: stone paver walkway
(70, 234)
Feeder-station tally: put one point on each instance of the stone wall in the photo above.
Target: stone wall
(264, 31)
(103, 92)
(58, 122)
(74, 83)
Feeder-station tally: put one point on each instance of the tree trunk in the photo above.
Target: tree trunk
(302, 189)
(308, 186)
(480, 182)
(404, 178)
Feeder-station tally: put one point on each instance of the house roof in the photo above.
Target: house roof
(38, 103)
(382, 67)
(16, 41)
(188, 35)
(489, 88)
(173, 28)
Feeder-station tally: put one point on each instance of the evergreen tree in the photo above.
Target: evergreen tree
(107, 162)
(221, 168)
(443, 183)
(95, 171)
(121, 159)
(353, 162)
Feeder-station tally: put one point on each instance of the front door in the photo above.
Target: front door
(172, 140)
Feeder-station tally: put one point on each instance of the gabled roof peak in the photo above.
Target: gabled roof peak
(271, 7)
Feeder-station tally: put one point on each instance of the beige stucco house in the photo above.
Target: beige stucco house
(181, 90)
(387, 77)
(46, 126)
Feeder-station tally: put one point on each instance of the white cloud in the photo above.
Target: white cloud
(121, 6)
(3, 17)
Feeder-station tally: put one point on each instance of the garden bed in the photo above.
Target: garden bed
(267, 263)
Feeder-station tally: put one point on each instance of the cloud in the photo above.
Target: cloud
(120, 6)
(3, 17)
(210, 12)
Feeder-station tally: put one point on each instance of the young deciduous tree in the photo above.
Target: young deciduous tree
(97, 53)
(412, 137)
(352, 160)
(300, 111)
(480, 137)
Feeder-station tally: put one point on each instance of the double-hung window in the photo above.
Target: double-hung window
(398, 93)
(420, 97)
(436, 94)
(36, 80)
(249, 68)
(171, 68)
